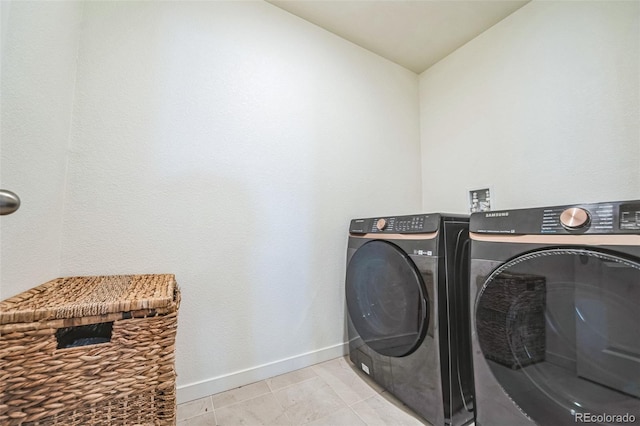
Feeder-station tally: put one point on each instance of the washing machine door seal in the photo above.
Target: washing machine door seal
(386, 299)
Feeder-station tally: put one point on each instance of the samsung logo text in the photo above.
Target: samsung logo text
(498, 214)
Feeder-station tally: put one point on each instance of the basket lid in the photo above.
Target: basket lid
(74, 297)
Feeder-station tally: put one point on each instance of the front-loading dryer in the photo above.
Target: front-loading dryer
(555, 315)
(407, 297)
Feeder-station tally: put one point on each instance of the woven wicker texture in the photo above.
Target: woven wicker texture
(128, 380)
(510, 319)
(514, 340)
(75, 297)
(508, 288)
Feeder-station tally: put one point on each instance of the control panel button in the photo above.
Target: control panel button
(574, 218)
(381, 224)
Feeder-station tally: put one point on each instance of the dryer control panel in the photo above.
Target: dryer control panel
(620, 217)
(412, 224)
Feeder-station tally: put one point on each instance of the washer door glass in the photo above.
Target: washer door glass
(560, 331)
(386, 299)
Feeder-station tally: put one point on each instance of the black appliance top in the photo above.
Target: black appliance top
(616, 217)
(409, 224)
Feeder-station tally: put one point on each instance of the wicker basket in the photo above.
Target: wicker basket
(507, 289)
(510, 320)
(90, 351)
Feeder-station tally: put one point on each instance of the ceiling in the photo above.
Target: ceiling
(413, 33)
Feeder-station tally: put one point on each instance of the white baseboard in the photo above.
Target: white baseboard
(192, 391)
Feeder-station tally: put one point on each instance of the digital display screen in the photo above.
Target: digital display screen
(630, 216)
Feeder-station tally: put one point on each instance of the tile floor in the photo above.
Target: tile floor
(333, 393)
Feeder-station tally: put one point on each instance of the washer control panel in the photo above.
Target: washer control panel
(412, 224)
(598, 218)
(619, 217)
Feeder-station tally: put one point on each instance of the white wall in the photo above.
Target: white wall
(230, 143)
(39, 47)
(544, 106)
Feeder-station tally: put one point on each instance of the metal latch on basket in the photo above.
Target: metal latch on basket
(83, 335)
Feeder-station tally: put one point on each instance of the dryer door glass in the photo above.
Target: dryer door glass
(386, 299)
(560, 331)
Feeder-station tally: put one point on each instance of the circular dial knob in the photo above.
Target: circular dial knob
(574, 218)
(381, 224)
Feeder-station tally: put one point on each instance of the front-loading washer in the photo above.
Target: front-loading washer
(555, 315)
(407, 297)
